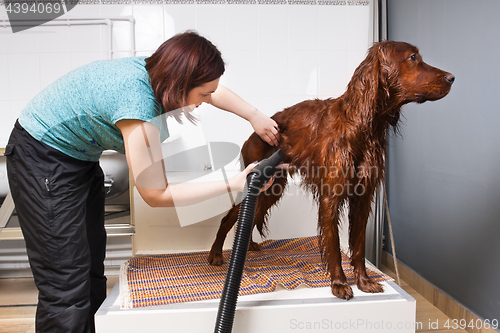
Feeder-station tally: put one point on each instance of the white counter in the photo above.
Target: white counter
(301, 310)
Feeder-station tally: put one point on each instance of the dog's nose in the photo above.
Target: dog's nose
(450, 78)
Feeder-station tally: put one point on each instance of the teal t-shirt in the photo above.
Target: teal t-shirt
(77, 113)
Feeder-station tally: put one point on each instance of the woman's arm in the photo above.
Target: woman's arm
(265, 127)
(145, 161)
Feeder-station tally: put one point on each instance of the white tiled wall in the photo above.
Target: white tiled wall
(276, 54)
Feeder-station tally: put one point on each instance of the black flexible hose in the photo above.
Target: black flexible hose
(256, 179)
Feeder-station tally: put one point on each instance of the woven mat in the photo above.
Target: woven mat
(184, 277)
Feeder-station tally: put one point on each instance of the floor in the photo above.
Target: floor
(19, 296)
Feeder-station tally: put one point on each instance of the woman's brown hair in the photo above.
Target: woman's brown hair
(181, 63)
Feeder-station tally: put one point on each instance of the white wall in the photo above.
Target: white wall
(276, 54)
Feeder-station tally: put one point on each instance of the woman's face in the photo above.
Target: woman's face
(202, 93)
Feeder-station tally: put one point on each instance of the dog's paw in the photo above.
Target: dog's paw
(370, 286)
(215, 258)
(254, 247)
(342, 291)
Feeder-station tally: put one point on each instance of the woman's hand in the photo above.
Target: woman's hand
(237, 183)
(265, 127)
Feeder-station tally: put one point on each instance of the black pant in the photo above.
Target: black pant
(60, 204)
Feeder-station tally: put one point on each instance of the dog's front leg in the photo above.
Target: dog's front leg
(328, 219)
(359, 210)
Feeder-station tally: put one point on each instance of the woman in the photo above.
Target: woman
(54, 173)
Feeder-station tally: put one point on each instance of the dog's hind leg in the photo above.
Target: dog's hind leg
(215, 255)
(253, 150)
(359, 210)
(266, 200)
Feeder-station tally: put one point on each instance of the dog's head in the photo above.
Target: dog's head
(414, 80)
(392, 75)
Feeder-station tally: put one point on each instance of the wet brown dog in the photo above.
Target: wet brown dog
(338, 148)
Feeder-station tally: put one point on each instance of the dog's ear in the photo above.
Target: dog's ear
(369, 83)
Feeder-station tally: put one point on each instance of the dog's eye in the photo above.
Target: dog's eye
(413, 57)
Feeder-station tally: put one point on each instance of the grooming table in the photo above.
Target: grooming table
(148, 282)
(303, 309)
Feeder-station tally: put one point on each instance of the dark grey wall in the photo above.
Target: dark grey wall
(444, 172)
